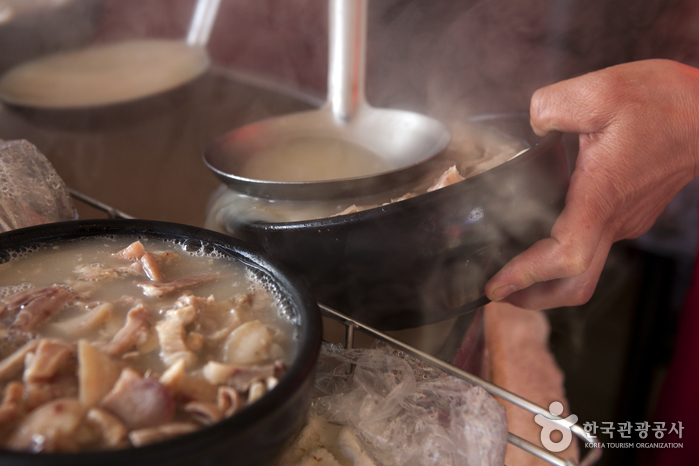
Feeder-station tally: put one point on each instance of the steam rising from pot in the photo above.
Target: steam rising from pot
(451, 60)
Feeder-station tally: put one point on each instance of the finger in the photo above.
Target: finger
(575, 238)
(563, 292)
(580, 105)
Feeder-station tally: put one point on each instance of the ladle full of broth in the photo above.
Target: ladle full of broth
(113, 73)
(345, 147)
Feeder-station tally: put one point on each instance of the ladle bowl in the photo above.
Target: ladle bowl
(404, 141)
(112, 74)
(401, 138)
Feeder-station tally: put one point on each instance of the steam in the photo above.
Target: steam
(451, 59)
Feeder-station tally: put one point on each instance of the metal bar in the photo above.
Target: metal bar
(202, 22)
(590, 459)
(349, 336)
(346, 61)
(109, 210)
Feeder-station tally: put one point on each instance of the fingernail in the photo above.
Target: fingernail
(503, 292)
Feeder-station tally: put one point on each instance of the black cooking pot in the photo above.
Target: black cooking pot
(253, 436)
(427, 259)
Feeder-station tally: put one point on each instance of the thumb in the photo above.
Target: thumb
(575, 239)
(578, 105)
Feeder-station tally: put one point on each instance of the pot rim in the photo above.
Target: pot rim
(373, 213)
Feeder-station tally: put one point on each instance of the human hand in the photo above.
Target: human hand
(639, 139)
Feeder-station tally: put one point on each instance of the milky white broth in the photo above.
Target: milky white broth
(103, 74)
(313, 159)
(63, 264)
(56, 264)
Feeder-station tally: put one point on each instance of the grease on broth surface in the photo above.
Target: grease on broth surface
(110, 342)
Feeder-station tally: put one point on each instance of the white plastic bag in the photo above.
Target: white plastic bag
(406, 413)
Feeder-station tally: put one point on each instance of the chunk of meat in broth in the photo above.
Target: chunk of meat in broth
(61, 386)
(113, 433)
(14, 363)
(240, 377)
(403, 198)
(50, 357)
(256, 391)
(93, 317)
(32, 307)
(448, 178)
(216, 320)
(97, 373)
(186, 386)
(349, 210)
(100, 272)
(205, 413)
(132, 252)
(149, 262)
(50, 428)
(228, 400)
(206, 322)
(172, 335)
(251, 343)
(254, 381)
(219, 320)
(151, 267)
(150, 435)
(139, 401)
(47, 374)
(159, 290)
(135, 332)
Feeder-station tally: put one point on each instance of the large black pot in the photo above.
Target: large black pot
(253, 436)
(428, 258)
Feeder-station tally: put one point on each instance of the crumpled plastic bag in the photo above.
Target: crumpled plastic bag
(31, 192)
(406, 413)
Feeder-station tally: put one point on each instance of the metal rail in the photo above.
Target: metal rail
(590, 458)
(352, 325)
(109, 210)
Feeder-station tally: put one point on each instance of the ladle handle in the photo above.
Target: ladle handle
(202, 22)
(346, 57)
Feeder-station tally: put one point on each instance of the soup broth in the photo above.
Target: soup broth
(103, 74)
(313, 159)
(144, 337)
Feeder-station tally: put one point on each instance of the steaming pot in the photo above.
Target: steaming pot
(425, 259)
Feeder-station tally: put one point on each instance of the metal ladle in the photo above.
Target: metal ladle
(406, 141)
(57, 82)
